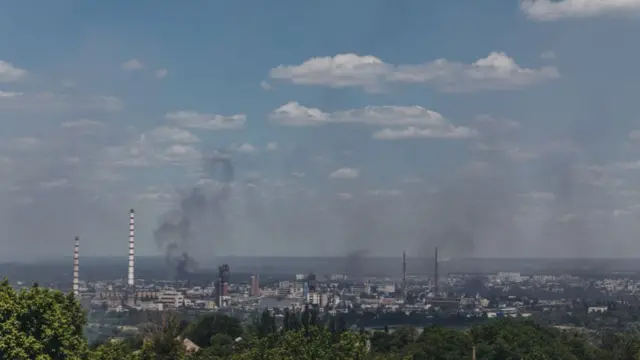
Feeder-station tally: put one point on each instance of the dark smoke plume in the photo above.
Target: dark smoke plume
(354, 262)
(200, 219)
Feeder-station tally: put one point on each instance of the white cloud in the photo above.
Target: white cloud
(68, 83)
(548, 55)
(166, 134)
(411, 132)
(265, 85)
(132, 64)
(9, 94)
(193, 119)
(635, 135)
(345, 173)
(180, 154)
(272, 146)
(154, 195)
(55, 183)
(539, 195)
(24, 144)
(409, 121)
(385, 192)
(294, 114)
(510, 151)
(83, 125)
(50, 102)
(495, 124)
(10, 73)
(411, 180)
(145, 151)
(161, 73)
(246, 148)
(299, 175)
(549, 10)
(345, 196)
(621, 212)
(495, 72)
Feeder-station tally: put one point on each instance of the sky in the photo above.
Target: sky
(487, 128)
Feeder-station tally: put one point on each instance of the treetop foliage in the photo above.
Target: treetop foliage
(43, 324)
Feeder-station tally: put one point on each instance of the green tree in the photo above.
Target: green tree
(202, 330)
(41, 324)
(222, 347)
(314, 344)
(112, 351)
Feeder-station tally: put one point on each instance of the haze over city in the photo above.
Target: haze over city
(337, 128)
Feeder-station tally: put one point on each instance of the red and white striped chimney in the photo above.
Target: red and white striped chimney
(76, 267)
(131, 281)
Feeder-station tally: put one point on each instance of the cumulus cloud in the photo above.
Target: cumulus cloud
(272, 146)
(179, 154)
(159, 146)
(265, 85)
(401, 122)
(133, 64)
(549, 10)
(539, 195)
(412, 132)
(196, 120)
(493, 124)
(83, 125)
(245, 148)
(166, 134)
(634, 135)
(161, 73)
(10, 73)
(10, 94)
(345, 173)
(22, 144)
(385, 192)
(548, 55)
(497, 71)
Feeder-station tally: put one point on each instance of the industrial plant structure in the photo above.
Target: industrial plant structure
(404, 276)
(131, 278)
(437, 279)
(222, 284)
(76, 268)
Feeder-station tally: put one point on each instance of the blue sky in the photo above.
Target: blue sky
(351, 125)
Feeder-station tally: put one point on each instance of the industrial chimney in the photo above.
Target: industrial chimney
(404, 276)
(76, 268)
(131, 278)
(437, 279)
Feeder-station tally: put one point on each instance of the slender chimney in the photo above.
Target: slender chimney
(437, 279)
(131, 281)
(76, 268)
(404, 275)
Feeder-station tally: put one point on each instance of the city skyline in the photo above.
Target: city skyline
(488, 131)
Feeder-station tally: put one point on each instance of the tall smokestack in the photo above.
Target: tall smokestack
(437, 279)
(131, 281)
(404, 275)
(76, 268)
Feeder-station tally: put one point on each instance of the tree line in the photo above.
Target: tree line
(45, 324)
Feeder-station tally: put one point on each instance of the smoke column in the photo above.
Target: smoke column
(200, 219)
(76, 268)
(131, 248)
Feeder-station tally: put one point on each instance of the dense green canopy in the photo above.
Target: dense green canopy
(44, 324)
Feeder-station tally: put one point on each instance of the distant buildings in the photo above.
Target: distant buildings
(255, 286)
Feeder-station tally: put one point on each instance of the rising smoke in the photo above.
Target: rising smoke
(199, 222)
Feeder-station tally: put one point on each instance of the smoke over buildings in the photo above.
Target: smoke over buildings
(199, 221)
